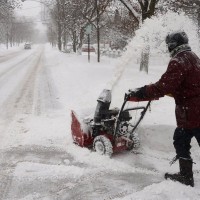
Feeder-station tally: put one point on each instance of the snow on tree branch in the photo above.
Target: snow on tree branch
(128, 5)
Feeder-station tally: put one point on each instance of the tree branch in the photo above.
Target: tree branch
(131, 9)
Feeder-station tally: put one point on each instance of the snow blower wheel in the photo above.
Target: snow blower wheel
(135, 144)
(136, 141)
(102, 145)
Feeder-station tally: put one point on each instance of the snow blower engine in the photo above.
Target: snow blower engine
(110, 130)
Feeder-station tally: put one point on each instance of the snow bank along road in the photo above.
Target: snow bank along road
(38, 160)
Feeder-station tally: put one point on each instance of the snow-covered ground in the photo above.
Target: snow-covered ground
(38, 160)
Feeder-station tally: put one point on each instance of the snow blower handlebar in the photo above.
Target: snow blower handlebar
(144, 109)
(142, 114)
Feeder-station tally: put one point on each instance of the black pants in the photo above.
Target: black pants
(182, 139)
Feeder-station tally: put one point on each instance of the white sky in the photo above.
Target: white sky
(32, 9)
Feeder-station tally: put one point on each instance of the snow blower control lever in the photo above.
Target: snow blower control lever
(110, 130)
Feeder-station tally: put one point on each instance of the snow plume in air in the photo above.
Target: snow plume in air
(153, 32)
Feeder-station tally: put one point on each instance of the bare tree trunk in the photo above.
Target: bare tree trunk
(59, 27)
(144, 64)
(81, 37)
(65, 38)
(148, 10)
(59, 37)
(64, 26)
(74, 39)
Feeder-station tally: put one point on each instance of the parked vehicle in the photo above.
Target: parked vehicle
(86, 49)
(27, 46)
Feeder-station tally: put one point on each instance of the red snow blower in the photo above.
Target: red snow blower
(109, 131)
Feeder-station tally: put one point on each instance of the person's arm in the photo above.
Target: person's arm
(167, 84)
(169, 81)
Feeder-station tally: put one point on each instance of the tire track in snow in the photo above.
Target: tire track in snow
(17, 103)
(14, 66)
(21, 100)
(46, 100)
(6, 57)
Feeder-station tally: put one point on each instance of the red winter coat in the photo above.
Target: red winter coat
(182, 81)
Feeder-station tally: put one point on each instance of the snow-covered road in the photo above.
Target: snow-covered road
(27, 92)
(38, 159)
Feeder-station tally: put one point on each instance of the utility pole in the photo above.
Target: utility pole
(59, 25)
(98, 31)
(88, 47)
(7, 35)
(7, 30)
(88, 30)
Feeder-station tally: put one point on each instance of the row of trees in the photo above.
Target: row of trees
(71, 17)
(14, 30)
(118, 19)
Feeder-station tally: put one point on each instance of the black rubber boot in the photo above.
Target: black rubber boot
(185, 176)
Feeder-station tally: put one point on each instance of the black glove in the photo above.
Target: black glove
(139, 93)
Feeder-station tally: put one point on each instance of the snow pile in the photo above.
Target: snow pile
(164, 191)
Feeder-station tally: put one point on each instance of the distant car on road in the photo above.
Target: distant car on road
(86, 49)
(27, 46)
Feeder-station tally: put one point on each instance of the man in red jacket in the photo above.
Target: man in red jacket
(181, 81)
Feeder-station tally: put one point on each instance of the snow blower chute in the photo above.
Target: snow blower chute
(110, 130)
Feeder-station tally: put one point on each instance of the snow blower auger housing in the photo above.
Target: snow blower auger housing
(111, 130)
